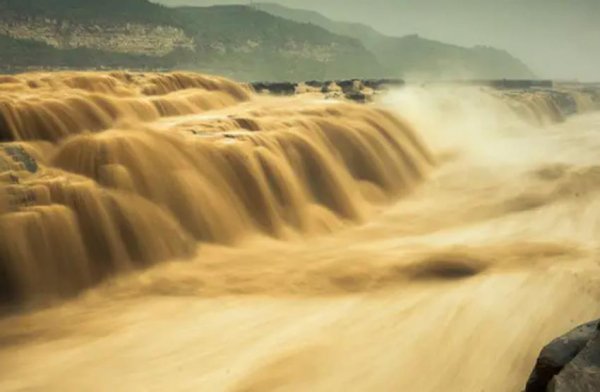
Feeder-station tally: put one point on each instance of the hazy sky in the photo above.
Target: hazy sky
(556, 38)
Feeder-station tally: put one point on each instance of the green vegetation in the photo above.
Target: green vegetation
(89, 11)
(251, 44)
(21, 54)
(264, 42)
(236, 41)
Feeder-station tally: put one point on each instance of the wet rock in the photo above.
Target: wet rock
(349, 85)
(19, 155)
(570, 363)
(357, 96)
(582, 374)
(276, 88)
(353, 89)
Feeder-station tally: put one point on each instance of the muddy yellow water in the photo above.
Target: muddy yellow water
(181, 233)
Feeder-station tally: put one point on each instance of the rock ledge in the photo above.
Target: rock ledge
(570, 363)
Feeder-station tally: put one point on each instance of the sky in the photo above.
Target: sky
(558, 39)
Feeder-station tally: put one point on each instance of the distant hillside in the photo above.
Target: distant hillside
(364, 33)
(232, 40)
(413, 56)
(262, 42)
(89, 11)
(558, 39)
(242, 38)
(18, 54)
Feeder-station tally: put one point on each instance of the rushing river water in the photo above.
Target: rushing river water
(206, 239)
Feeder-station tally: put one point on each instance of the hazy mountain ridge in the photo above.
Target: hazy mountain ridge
(263, 42)
(415, 56)
(276, 48)
(558, 39)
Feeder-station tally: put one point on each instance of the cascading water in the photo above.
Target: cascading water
(143, 165)
(231, 241)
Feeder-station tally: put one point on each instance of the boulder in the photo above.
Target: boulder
(582, 374)
(570, 363)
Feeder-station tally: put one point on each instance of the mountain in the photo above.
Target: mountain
(556, 38)
(237, 41)
(239, 37)
(413, 56)
(362, 32)
(261, 42)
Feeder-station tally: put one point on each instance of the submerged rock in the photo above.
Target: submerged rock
(570, 363)
(20, 155)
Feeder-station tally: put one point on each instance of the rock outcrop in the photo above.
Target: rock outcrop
(134, 27)
(562, 101)
(134, 38)
(236, 41)
(352, 89)
(570, 363)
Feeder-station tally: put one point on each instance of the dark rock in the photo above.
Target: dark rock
(582, 374)
(357, 97)
(18, 154)
(348, 86)
(560, 356)
(380, 84)
(276, 88)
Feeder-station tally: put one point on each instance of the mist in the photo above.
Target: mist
(557, 39)
(341, 195)
(223, 240)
